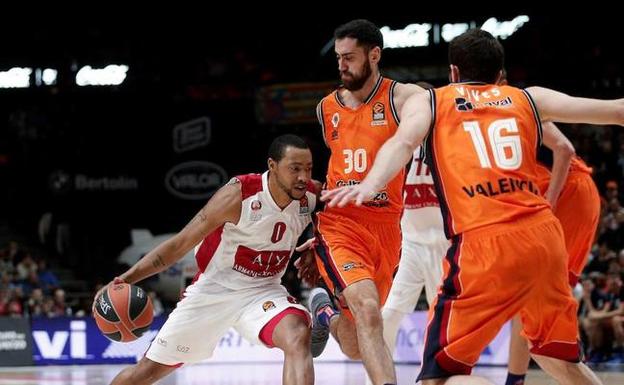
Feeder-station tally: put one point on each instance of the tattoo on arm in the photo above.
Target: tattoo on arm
(158, 262)
(201, 217)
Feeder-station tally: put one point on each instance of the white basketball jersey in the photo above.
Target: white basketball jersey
(422, 219)
(255, 251)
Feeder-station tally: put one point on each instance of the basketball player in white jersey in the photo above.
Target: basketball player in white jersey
(248, 231)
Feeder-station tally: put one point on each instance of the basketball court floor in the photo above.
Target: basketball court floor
(249, 374)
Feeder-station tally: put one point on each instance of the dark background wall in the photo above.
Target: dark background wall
(217, 68)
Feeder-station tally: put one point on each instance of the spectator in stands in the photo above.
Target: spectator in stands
(6, 281)
(612, 230)
(35, 303)
(604, 304)
(60, 308)
(48, 307)
(19, 297)
(617, 323)
(25, 267)
(13, 250)
(83, 308)
(600, 258)
(30, 283)
(621, 261)
(5, 297)
(612, 191)
(15, 308)
(6, 262)
(47, 279)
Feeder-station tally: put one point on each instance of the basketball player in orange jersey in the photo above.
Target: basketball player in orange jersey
(508, 253)
(358, 247)
(248, 230)
(578, 210)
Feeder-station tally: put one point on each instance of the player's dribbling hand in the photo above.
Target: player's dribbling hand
(307, 270)
(341, 196)
(99, 292)
(307, 245)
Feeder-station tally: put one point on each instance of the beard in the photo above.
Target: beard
(291, 192)
(355, 83)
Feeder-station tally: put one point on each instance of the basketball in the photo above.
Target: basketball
(123, 312)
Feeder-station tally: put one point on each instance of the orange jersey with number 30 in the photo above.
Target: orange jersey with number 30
(482, 150)
(354, 137)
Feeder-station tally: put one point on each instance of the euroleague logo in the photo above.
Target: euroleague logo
(268, 305)
(304, 209)
(378, 111)
(379, 114)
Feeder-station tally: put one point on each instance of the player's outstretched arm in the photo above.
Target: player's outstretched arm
(558, 107)
(223, 207)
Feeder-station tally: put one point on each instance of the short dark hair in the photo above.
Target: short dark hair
(279, 144)
(365, 32)
(478, 55)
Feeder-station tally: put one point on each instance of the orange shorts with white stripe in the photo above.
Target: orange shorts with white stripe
(351, 249)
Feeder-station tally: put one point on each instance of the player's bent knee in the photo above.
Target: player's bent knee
(299, 337)
(294, 339)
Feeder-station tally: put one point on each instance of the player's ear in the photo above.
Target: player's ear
(501, 79)
(454, 73)
(272, 165)
(374, 55)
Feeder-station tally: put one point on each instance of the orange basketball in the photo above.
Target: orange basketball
(123, 312)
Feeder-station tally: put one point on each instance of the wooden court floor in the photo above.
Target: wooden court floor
(250, 374)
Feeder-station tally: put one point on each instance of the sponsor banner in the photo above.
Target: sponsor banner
(78, 341)
(195, 180)
(62, 182)
(15, 342)
(410, 345)
(71, 341)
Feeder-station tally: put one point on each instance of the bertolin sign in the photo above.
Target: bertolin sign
(195, 179)
(62, 182)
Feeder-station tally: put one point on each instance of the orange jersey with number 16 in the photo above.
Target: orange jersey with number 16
(482, 149)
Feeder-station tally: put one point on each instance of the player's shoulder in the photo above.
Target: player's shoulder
(405, 90)
(329, 103)
(330, 98)
(249, 184)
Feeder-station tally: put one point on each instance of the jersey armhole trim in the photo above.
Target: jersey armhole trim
(395, 113)
(538, 121)
(319, 116)
(426, 141)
